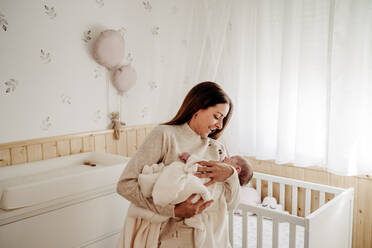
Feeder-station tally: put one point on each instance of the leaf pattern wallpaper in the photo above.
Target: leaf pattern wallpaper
(3, 22)
(50, 11)
(64, 82)
(10, 86)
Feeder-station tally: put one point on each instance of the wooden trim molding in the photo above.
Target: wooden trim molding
(45, 148)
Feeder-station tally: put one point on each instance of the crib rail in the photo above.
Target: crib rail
(276, 217)
(295, 184)
(279, 217)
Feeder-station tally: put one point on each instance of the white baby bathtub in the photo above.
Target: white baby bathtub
(62, 203)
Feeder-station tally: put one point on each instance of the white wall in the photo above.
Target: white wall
(67, 91)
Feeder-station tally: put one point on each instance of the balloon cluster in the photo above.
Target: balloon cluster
(109, 52)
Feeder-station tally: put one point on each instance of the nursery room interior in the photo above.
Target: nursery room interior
(84, 83)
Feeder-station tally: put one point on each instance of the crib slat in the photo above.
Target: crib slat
(258, 187)
(294, 200)
(321, 198)
(306, 239)
(259, 231)
(275, 243)
(292, 235)
(245, 229)
(282, 194)
(307, 201)
(270, 188)
(231, 228)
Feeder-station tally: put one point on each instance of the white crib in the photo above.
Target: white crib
(328, 226)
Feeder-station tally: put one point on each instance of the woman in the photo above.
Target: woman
(204, 114)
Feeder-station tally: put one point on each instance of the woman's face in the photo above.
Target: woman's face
(206, 121)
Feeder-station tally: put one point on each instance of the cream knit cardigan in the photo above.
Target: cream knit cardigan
(164, 144)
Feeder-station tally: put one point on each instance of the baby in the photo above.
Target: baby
(173, 184)
(242, 166)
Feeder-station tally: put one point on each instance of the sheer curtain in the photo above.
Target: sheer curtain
(300, 75)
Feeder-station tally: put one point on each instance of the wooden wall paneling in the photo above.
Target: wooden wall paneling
(122, 144)
(364, 217)
(49, 150)
(148, 130)
(63, 148)
(88, 143)
(131, 141)
(301, 196)
(141, 135)
(34, 152)
(264, 189)
(5, 157)
(76, 145)
(265, 167)
(277, 170)
(18, 155)
(111, 144)
(298, 173)
(316, 176)
(100, 143)
(292, 172)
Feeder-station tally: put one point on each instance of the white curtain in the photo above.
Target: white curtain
(300, 75)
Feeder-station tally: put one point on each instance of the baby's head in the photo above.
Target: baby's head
(243, 168)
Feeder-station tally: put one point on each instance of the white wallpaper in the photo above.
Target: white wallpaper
(50, 84)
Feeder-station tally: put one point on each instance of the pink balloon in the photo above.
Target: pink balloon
(108, 49)
(124, 78)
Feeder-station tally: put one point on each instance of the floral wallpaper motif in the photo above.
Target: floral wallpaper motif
(128, 59)
(3, 22)
(10, 86)
(65, 99)
(98, 73)
(153, 85)
(147, 5)
(49, 11)
(97, 116)
(144, 112)
(100, 3)
(87, 36)
(45, 56)
(155, 30)
(44, 17)
(46, 124)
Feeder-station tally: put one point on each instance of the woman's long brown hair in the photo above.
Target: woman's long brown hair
(202, 96)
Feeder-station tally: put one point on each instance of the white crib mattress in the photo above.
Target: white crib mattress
(267, 233)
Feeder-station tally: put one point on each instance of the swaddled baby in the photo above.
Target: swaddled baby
(175, 183)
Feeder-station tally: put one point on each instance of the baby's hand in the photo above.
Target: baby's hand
(184, 156)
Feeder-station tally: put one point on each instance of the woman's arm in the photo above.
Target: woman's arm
(152, 151)
(221, 172)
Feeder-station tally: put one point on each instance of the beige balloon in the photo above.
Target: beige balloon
(109, 48)
(124, 78)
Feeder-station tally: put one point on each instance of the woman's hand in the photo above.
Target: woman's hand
(216, 171)
(187, 209)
